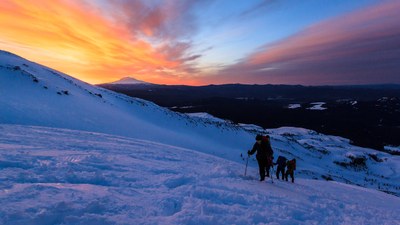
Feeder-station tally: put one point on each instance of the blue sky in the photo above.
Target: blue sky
(235, 29)
(311, 42)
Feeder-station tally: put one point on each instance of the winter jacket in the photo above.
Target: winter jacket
(291, 165)
(264, 150)
(281, 162)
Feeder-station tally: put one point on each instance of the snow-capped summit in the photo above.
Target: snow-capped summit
(129, 80)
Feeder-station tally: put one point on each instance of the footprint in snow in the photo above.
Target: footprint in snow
(178, 181)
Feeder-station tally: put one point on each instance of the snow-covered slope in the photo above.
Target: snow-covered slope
(31, 94)
(207, 116)
(334, 158)
(58, 176)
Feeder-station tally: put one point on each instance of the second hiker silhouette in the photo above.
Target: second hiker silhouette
(264, 154)
(291, 167)
(281, 162)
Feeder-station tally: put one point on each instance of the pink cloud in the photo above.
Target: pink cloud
(360, 47)
(168, 26)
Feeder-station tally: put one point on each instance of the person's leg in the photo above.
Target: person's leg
(261, 167)
(286, 175)
(277, 173)
(292, 176)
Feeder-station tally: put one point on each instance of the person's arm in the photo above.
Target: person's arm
(252, 151)
(271, 151)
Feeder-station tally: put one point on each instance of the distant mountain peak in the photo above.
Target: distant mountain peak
(129, 80)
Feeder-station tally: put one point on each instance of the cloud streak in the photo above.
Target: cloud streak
(168, 20)
(103, 40)
(84, 42)
(360, 47)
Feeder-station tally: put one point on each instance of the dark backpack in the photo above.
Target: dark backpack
(265, 139)
(291, 164)
(281, 161)
(266, 142)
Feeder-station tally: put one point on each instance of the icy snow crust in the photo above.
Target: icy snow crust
(58, 176)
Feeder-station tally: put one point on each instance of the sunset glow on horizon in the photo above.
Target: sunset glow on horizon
(205, 42)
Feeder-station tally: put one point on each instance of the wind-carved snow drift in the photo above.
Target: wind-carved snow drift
(166, 166)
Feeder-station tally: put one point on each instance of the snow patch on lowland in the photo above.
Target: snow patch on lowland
(317, 106)
(294, 106)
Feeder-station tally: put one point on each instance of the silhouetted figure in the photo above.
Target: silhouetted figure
(291, 167)
(281, 162)
(264, 154)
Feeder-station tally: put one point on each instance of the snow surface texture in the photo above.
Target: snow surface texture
(59, 176)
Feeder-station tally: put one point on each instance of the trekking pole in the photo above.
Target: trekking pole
(272, 173)
(247, 161)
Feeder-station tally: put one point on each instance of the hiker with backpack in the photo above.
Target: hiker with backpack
(281, 162)
(291, 167)
(264, 154)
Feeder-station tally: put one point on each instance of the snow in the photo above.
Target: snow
(129, 80)
(317, 106)
(90, 108)
(251, 128)
(72, 153)
(393, 149)
(206, 116)
(383, 99)
(294, 106)
(322, 156)
(60, 176)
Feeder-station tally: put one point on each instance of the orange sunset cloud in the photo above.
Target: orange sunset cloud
(79, 40)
